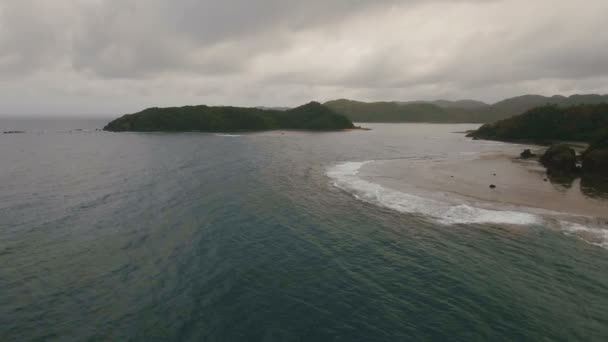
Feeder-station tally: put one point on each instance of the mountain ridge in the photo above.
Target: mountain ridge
(458, 111)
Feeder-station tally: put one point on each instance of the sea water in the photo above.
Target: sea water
(272, 237)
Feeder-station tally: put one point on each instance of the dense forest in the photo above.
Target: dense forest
(443, 111)
(312, 116)
(587, 123)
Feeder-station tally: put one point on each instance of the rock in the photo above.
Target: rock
(595, 158)
(559, 158)
(594, 185)
(526, 154)
(492, 186)
(596, 161)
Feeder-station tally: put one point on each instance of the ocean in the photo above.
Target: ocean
(272, 237)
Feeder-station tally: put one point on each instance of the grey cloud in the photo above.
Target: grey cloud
(120, 55)
(134, 37)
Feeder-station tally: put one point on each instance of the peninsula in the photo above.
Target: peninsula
(546, 124)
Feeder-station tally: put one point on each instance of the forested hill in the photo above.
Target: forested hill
(443, 111)
(312, 116)
(550, 123)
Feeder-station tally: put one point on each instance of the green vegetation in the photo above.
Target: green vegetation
(389, 111)
(312, 116)
(550, 123)
(442, 111)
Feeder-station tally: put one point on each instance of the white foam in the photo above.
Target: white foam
(345, 177)
(593, 235)
(227, 135)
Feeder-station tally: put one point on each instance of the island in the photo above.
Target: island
(312, 116)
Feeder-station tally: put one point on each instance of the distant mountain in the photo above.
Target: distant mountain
(443, 111)
(282, 109)
(312, 116)
(389, 111)
(520, 104)
(462, 104)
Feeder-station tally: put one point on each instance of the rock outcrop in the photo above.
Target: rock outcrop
(595, 158)
(526, 154)
(559, 158)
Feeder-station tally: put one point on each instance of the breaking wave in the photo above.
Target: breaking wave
(345, 176)
(227, 135)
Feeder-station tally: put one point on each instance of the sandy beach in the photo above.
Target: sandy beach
(519, 183)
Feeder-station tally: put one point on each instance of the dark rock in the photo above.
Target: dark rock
(559, 158)
(595, 158)
(596, 161)
(526, 154)
(492, 186)
(13, 132)
(595, 185)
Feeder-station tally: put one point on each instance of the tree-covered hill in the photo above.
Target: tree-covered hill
(550, 123)
(443, 111)
(389, 111)
(312, 116)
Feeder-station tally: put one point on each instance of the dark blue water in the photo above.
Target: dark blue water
(123, 236)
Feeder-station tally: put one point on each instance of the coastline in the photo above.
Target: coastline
(245, 131)
(518, 183)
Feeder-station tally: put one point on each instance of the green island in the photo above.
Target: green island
(312, 116)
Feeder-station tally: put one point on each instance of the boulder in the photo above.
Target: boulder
(526, 154)
(595, 161)
(559, 158)
(595, 158)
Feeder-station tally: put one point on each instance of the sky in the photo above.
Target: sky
(110, 57)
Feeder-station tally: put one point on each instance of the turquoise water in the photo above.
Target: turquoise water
(125, 236)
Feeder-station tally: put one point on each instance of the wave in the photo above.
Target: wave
(227, 135)
(345, 176)
(593, 235)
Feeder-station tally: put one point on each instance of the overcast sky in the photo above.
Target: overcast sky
(110, 57)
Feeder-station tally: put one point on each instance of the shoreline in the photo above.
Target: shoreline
(358, 128)
(518, 183)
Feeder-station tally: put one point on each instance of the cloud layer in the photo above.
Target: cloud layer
(107, 57)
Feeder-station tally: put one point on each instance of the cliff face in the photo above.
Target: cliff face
(312, 116)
